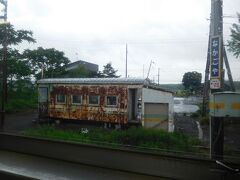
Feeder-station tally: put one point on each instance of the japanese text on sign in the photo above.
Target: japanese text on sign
(215, 57)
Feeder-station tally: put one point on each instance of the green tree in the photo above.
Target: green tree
(192, 81)
(234, 42)
(10, 36)
(16, 69)
(108, 71)
(51, 61)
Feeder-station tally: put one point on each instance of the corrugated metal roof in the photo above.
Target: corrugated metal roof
(136, 81)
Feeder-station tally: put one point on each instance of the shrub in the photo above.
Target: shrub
(21, 100)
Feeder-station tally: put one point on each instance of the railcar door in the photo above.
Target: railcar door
(132, 104)
(42, 102)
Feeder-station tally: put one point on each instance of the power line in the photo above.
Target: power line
(160, 41)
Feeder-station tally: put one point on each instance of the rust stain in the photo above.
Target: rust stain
(84, 111)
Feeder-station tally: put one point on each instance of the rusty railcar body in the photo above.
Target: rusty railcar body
(108, 100)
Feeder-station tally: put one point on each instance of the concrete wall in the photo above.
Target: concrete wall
(157, 96)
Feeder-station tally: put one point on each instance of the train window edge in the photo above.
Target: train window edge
(76, 101)
(60, 99)
(111, 101)
(91, 101)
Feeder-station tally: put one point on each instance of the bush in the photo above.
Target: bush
(21, 100)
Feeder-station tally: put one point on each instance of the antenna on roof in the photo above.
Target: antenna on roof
(150, 68)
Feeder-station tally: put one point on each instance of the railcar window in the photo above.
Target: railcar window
(93, 100)
(111, 100)
(60, 98)
(76, 99)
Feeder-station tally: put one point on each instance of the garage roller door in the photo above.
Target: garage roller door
(156, 115)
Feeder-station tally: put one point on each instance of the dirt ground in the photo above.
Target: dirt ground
(17, 122)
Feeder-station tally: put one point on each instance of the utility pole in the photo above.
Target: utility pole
(158, 75)
(42, 73)
(216, 76)
(143, 70)
(126, 74)
(4, 67)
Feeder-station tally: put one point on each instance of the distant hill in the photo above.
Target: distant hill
(172, 87)
(176, 87)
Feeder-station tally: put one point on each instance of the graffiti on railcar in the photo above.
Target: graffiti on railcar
(85, 110)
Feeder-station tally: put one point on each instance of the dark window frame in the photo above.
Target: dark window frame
(111, 105)
(76, 103)
(59, 102)
(90, 104)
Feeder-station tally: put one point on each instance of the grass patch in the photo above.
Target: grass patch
(135, 137)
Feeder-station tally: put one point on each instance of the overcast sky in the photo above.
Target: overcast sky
(172, 33)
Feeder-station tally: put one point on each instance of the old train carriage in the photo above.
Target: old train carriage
(111, 100)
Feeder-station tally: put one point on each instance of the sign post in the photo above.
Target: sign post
(215, 62)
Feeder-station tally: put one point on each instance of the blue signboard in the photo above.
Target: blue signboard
(215, 52)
